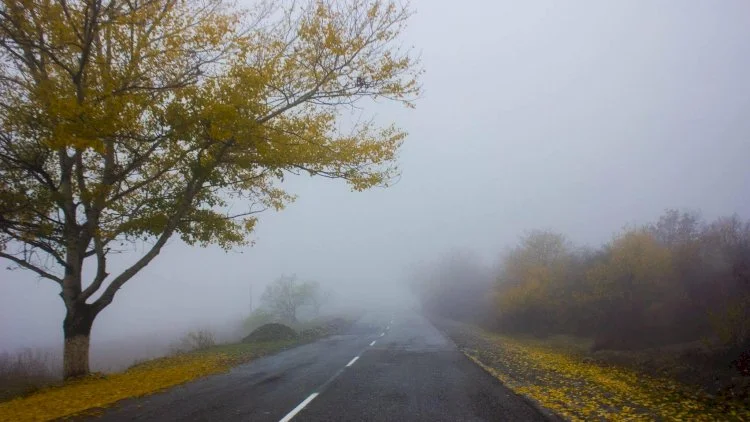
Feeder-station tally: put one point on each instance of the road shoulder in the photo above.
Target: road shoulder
(575, 388)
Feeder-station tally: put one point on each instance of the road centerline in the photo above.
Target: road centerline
(351, 362)
(373, 343)
(299, 407)
(322, 388)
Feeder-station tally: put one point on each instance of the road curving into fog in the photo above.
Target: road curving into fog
(388, 367)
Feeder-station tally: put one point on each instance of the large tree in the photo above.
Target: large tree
(133, 121)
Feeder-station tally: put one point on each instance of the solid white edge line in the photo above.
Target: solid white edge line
(299, 407)
(351, 362)
(373, 343)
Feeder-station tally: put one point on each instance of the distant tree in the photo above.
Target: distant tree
(136, 121)
(682, 233)
(676, 228)
(319, 297)
(286, 295)
(635, 276)
(726, 247)
(456, 286)
(531, 294)
(538, 249)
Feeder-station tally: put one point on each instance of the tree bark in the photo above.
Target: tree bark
(77, 330)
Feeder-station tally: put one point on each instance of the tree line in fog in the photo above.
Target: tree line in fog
(678, 279)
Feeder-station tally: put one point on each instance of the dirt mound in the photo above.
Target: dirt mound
(270, 332)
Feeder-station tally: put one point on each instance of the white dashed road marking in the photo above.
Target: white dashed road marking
(301, 406)
(351, 362)
(312, 396)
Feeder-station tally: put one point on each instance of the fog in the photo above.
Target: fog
(577, 116)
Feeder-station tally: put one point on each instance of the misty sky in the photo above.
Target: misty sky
(579, 116)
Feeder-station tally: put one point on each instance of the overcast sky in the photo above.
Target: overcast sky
(579, 116)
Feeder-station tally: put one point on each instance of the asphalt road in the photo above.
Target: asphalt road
(389, 367)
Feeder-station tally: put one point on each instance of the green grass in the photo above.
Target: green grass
(238, 353)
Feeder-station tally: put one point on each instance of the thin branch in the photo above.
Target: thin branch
(31, 267)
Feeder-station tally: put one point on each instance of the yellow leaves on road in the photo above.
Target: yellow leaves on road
(97, 392)
(579, 390)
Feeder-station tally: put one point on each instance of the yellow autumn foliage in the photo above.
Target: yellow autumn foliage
(638, 267)
(97, 392)
(532, 284)
(580, 391)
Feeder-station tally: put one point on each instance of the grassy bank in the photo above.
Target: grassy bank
(577, 388)
(96, 392)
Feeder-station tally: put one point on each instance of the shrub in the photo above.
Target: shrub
(194, 340)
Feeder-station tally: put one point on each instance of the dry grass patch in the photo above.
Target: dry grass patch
(27, 371)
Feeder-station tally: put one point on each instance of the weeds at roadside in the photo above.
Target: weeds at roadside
(27, 371)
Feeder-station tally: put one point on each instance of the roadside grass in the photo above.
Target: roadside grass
(562, 379)
(89, 395)
(27, 371)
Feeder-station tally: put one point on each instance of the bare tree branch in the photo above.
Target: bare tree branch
(28, 266)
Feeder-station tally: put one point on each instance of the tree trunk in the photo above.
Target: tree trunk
(77, 330)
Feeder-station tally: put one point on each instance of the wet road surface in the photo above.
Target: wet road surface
(388, 367)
